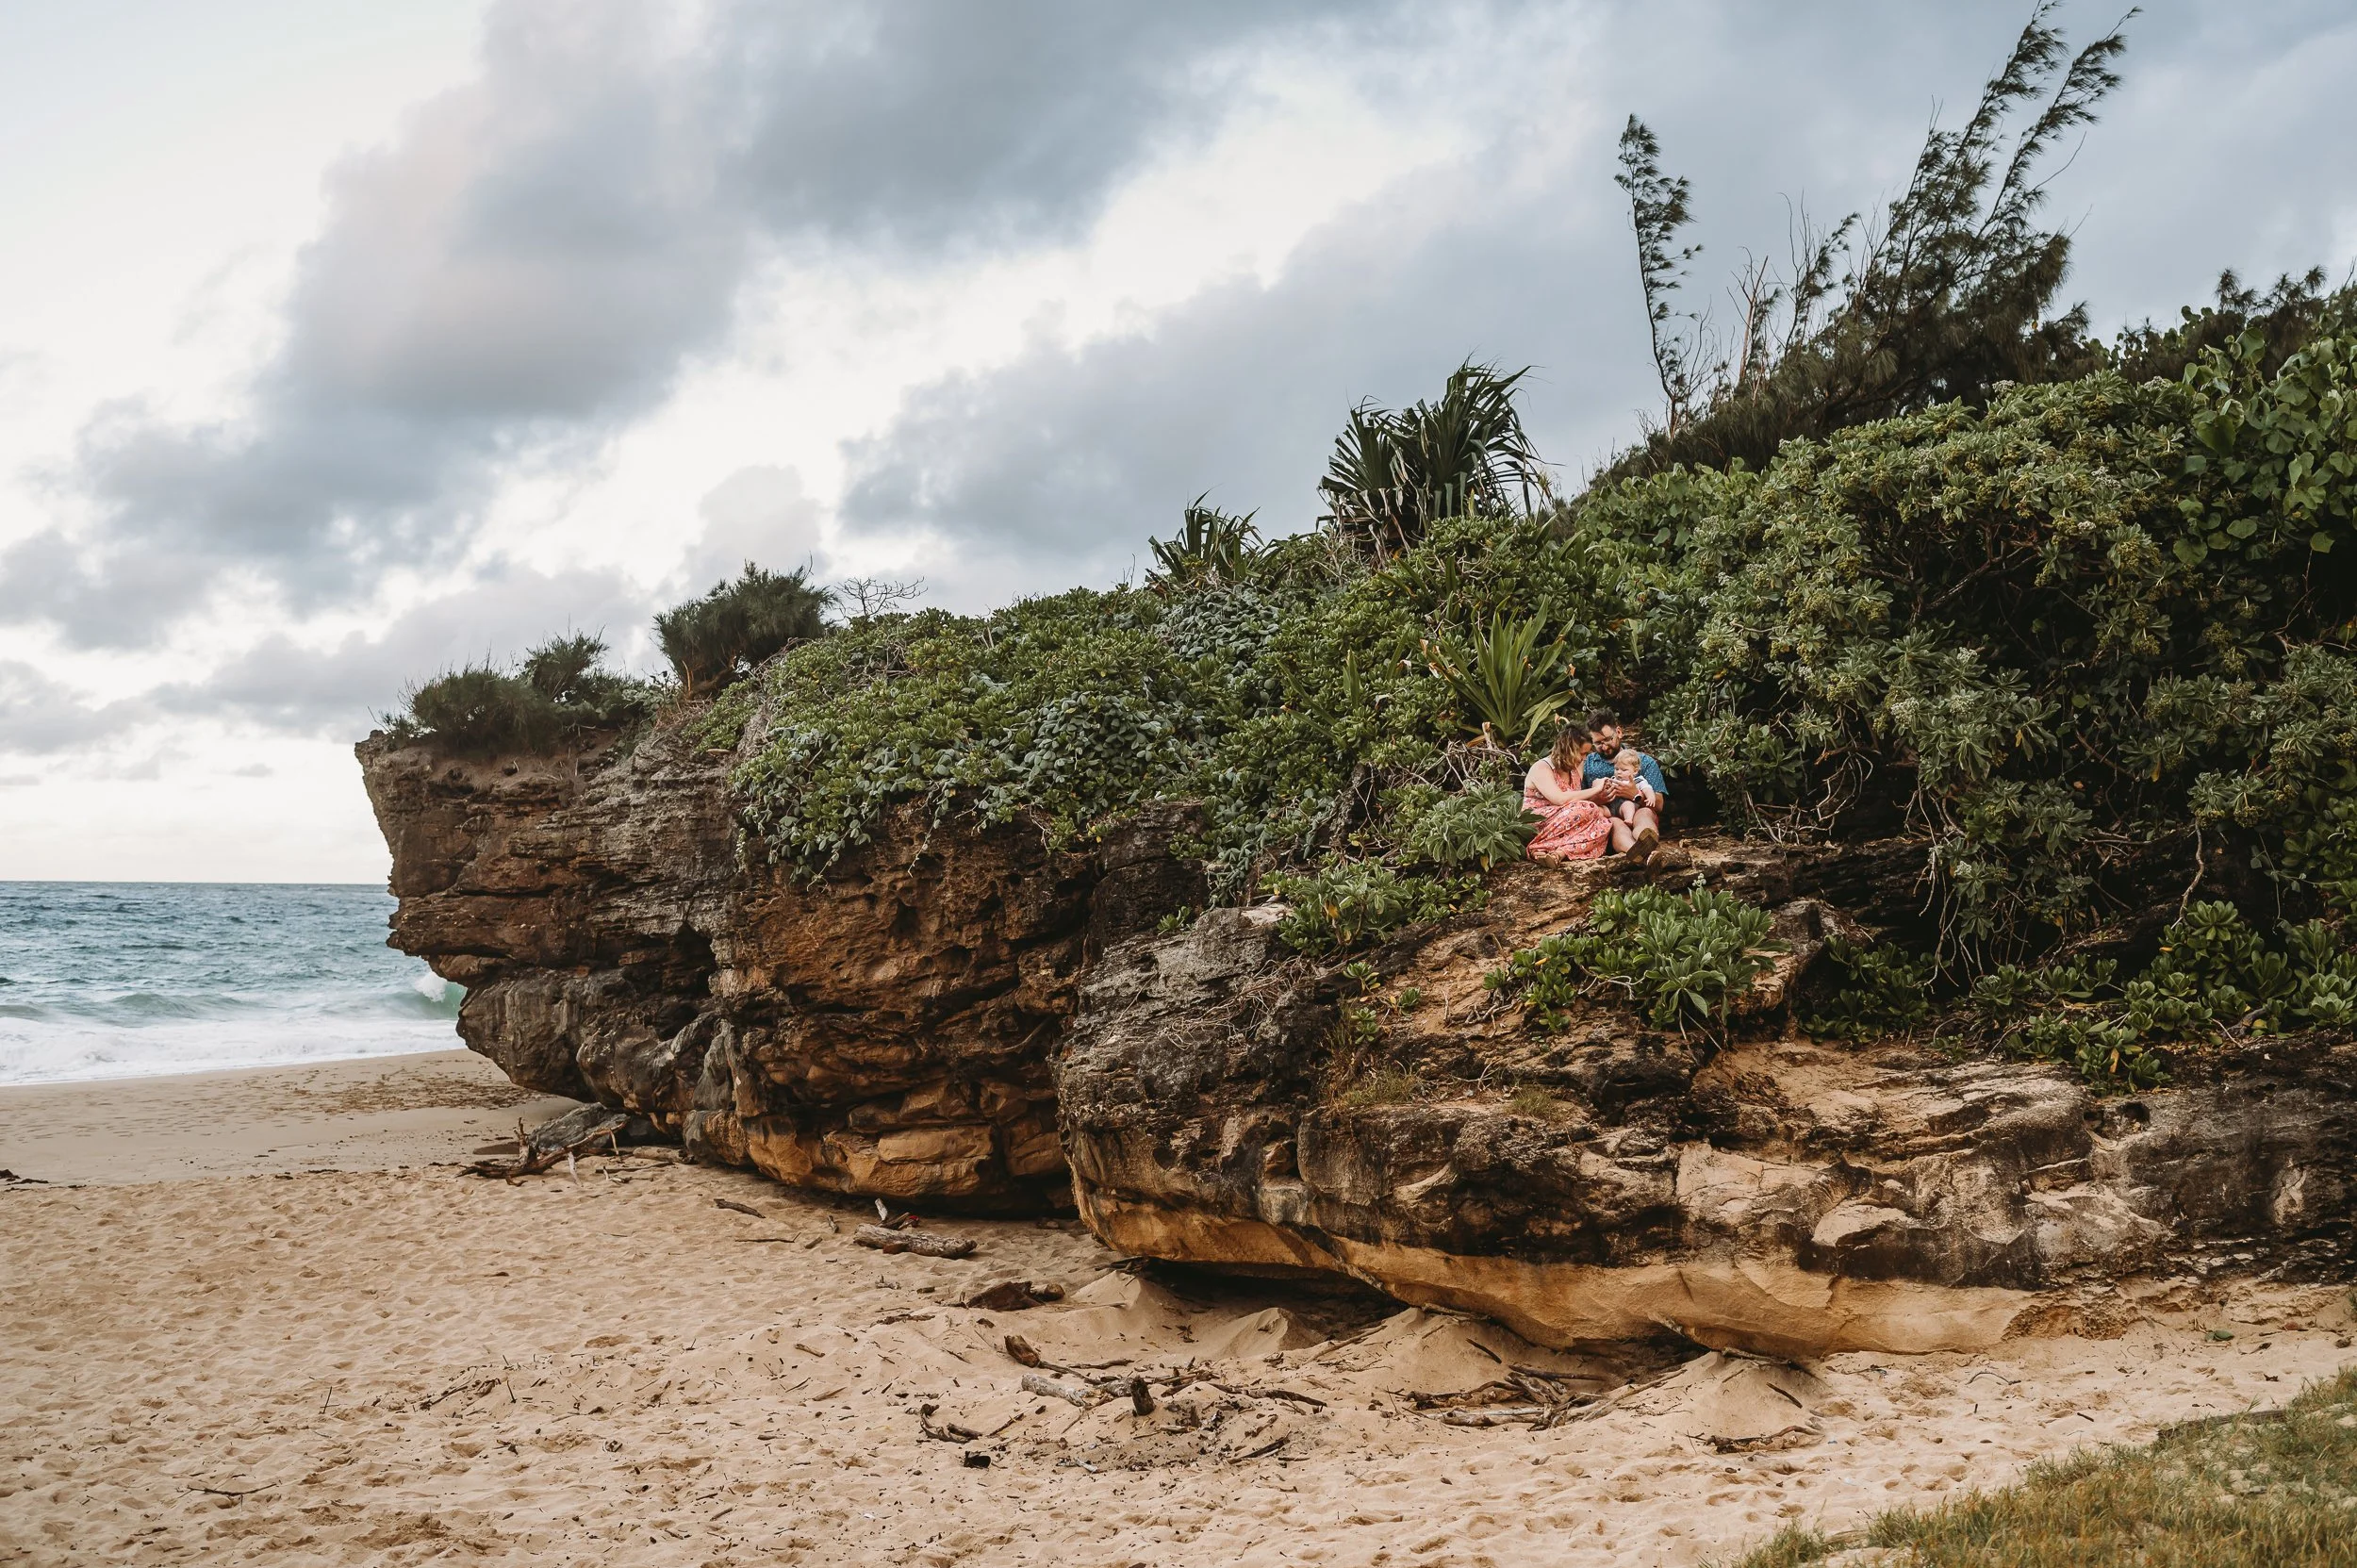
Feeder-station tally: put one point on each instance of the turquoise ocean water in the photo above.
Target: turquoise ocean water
(111, 980)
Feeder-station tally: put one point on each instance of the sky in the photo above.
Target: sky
(344, 343)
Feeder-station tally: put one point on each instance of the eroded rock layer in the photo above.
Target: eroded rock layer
(1781, 1196)
(885, 1031)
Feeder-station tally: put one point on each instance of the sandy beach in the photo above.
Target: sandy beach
(262, 1318)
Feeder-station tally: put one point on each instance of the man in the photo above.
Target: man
(1636, 808)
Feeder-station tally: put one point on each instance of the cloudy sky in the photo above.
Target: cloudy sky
(341, 342)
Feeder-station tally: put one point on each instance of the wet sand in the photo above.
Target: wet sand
(397, 1363)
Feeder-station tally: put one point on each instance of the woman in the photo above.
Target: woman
(1578, 825)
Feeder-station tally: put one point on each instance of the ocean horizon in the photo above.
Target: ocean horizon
(104, 980)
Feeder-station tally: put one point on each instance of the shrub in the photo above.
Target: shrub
(1879, 989)
(2213, 977)
(1487, 825)
(722, 636)
(1683, 958)
(1348, 904)
(557, 695)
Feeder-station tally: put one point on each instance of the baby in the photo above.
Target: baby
(1626, 764)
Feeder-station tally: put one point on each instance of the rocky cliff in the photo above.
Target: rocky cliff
(1611, 1181)
(969, 1018)
(885, 1031)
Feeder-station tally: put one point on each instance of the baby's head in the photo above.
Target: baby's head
(1626, 762)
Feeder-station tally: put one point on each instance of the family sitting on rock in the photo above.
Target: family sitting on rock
(1614, 807)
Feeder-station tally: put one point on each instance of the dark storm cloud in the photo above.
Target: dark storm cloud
(1061, 464)
(535, 256)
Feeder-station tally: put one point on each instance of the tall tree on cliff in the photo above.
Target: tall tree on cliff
(1945, 295)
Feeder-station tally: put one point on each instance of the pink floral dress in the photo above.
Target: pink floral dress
(1580, 831)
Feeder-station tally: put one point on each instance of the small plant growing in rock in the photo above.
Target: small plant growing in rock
(1683, 957)
(1883, 990)
(1532, 1101)
(1348, 904)
(1381, 1087)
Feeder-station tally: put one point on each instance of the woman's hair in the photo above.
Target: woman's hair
(1571, 746)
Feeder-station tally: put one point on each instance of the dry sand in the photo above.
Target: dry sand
(406, 1365)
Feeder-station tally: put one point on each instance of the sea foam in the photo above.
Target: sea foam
(107, 979)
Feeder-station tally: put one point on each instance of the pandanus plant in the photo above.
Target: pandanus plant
(1506, 681)
(1211, 547)
(1396, 474)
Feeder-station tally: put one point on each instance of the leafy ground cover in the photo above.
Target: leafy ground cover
(2270, 1489)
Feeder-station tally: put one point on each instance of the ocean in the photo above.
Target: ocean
(116, 979)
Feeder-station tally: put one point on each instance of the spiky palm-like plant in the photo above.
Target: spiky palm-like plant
(1212, 546)
(1464, 453)
(1505, 680)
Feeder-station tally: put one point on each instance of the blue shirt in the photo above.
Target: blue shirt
(1595, 769)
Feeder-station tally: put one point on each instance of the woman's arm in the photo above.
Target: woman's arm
(1549, 784)
(1547, 781)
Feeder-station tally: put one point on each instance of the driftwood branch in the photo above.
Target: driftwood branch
(924, 1243)
(531, 1161)
(1285, 1393)
(1087, 1397)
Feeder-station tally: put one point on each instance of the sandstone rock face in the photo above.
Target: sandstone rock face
(965, 1017)
(886, 1032)
(1780, 1194)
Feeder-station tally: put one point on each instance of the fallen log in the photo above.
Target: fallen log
(1087, 1398)
(924, 1243)
(1497, 1415)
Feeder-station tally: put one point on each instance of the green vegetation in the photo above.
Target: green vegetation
(1394, 475)
(1475, 824)
(1683, 958)
(555, 696)
(1878, 990)
(722, 638)
(1943, 296)
(2263, 1491)
(1349, 904)
(2214, 980)
(1211, 547)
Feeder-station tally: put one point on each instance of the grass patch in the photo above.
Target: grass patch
(2273, 1490)
(1531, 1100)
(1381, 1087)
